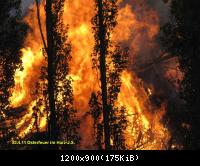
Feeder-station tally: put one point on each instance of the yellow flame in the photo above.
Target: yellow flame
(21, 90)
(86, 80)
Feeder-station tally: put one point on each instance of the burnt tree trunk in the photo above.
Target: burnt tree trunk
(52, 123)
(103, 52)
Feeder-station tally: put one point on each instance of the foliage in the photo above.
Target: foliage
(12, 33)
(181, 37)
(67, 124)
(115, 62)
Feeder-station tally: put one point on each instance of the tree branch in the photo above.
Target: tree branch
(146, 66)
(40, 25)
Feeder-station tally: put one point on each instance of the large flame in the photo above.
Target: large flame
(145, 131)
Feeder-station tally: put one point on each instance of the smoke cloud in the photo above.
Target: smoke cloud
(160, 6)
(26, 4)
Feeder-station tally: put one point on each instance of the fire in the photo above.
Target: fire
(144, 127)
(27, 118)
(21, 93)
(145, 130)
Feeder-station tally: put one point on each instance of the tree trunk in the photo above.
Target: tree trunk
(51, 72)
(103, 50)
(40, 25)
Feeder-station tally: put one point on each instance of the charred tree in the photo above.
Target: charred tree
(101, 48)
(118, 119)
(62, 124)
(66, 114)
(103, 45)
(110, 60)
(50, 23)
(96, 112)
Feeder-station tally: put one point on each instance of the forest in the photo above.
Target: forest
(99, 75)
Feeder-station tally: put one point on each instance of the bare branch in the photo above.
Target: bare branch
(40, 25)
(146, 66)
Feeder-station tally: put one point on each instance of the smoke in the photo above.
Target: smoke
(26, 4)
(142, 27)
(150, 16)
(145, 49)
(160, 6)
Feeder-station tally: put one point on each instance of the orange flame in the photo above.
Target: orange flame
(144, 127)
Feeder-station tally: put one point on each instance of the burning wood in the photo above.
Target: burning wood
(144, 130)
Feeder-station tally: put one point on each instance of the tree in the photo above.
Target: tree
(58, 90)
(12, 34)
(181, 37)
(110, 60)
(50, 25)
(96, 111)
